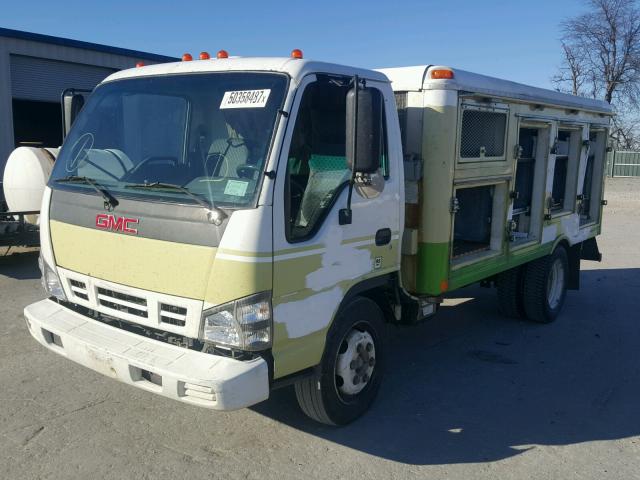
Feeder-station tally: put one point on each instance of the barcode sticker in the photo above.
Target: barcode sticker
(245, 99)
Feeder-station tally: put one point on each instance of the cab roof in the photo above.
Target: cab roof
(417, 78)
(295, 68)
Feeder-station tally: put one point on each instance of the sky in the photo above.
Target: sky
(517, 40)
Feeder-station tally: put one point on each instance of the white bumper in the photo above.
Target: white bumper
(197, 378)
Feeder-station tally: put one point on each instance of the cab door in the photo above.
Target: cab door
(316, 259)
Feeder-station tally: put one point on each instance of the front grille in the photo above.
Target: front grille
(79, 289)
(173, 315)
(122, 296)
(122, 302)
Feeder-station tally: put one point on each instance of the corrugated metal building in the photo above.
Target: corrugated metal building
(34, 71)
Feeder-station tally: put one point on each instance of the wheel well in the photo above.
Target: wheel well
(561, 242)
(380, 295)
(379, 290)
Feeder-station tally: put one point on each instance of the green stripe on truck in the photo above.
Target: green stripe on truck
(433, 267)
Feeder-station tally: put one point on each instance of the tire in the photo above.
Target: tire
(327, 397)
(510, 293)
(543, 296)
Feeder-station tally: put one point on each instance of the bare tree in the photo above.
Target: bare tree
(601, 59)
(573, 70)
(625, 128)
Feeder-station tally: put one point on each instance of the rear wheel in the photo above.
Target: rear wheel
(545, 286)
(509, 288)
(351, 369)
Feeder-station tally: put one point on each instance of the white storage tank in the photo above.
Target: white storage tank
(25, 177)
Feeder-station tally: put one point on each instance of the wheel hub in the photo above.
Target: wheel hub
(356, 363)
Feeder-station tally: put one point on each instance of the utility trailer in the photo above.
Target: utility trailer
(16, 232)
(215, 229)
(24, 178)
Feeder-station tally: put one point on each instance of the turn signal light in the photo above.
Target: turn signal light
(442, 74)
(296, 53)
(186, 57)
(204, 56)
(222, 54)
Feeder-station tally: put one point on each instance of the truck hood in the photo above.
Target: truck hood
(160, 247)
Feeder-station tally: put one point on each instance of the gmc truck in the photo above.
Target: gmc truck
(217, 228)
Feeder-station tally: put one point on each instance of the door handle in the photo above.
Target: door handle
(383, 236)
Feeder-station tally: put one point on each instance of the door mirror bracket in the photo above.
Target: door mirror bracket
(363, 137)
(72, 102)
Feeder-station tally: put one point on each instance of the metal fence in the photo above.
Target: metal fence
(623, 164)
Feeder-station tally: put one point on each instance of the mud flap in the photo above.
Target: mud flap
(589, 250)
(574, 267)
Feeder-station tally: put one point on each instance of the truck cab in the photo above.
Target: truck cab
(207, 222)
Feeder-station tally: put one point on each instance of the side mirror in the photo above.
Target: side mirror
(364, 129)
(72, 103)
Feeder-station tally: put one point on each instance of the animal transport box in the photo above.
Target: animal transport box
(496, 173)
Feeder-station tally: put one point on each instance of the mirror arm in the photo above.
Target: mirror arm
(345, 215)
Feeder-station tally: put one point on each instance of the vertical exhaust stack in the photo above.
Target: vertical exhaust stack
(25, 176)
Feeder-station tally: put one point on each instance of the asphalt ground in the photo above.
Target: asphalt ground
(470, 394)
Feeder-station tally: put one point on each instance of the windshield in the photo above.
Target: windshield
(208, 133)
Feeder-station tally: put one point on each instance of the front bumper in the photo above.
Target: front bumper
(197, 378)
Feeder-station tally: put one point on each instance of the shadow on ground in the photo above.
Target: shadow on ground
(471, 386)
(20, 265)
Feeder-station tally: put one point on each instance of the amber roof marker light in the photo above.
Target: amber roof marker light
(441, 74)
(186, 57)
(222, 54)
(139, 64)
(296, 53)
(204, 56)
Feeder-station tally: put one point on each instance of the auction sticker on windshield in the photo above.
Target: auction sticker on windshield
(245, 99)
(237, 188)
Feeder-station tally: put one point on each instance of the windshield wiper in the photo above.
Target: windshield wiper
(215, 214)
(110, 201)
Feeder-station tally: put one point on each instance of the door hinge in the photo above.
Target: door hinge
(517, 152)
(454, 207)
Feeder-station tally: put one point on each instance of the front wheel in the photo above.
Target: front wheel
(545, 286)
(351, 369)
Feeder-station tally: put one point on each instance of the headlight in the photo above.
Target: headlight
(50, 281)
(244, 324)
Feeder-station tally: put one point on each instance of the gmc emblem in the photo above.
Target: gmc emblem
(106, 221)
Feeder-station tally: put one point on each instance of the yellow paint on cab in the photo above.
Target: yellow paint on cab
(157, 265)
(231, 280)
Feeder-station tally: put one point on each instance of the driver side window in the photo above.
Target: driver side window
(316, 165)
